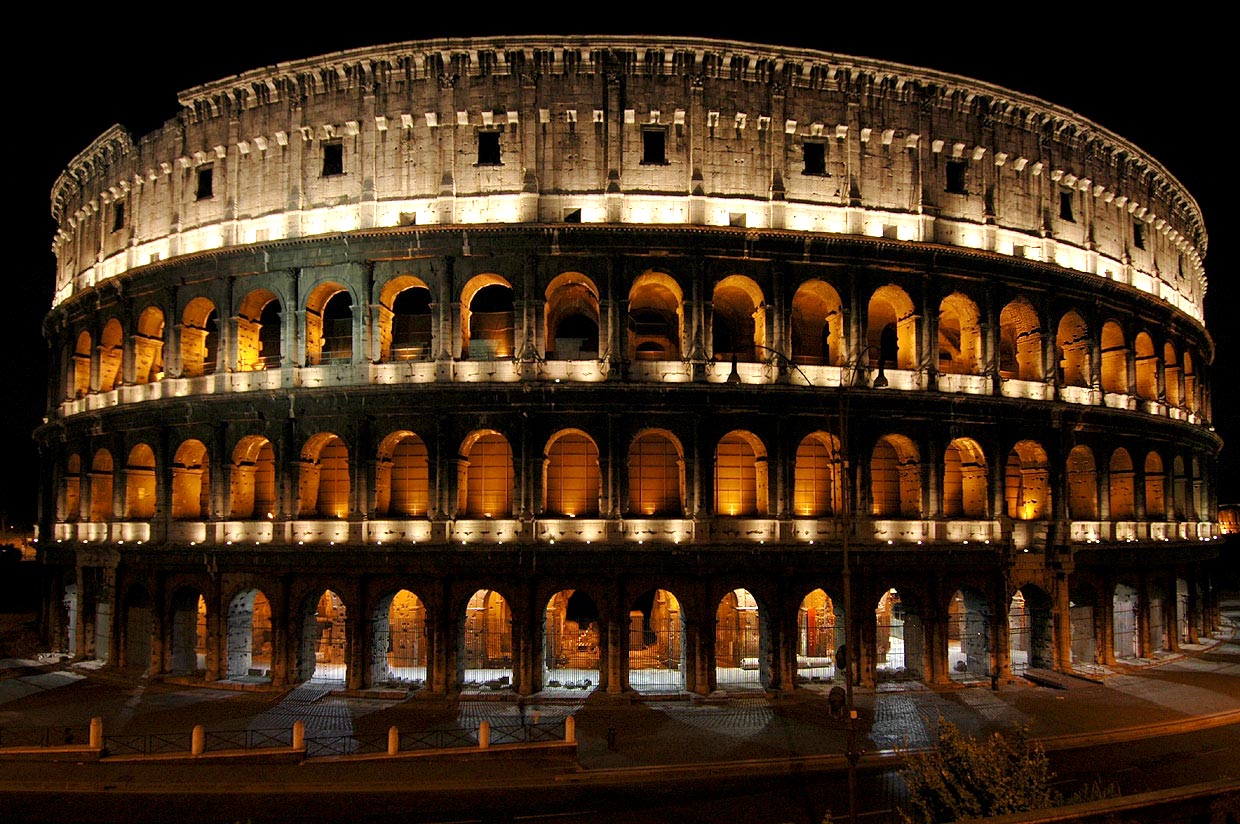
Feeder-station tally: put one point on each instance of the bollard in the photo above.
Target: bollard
(198, 740)
(537, 715)
(393, 740)
(299, 735)
(484, 735)
(96, 733)
(570, 730)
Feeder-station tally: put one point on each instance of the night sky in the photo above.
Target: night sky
(1153, 80)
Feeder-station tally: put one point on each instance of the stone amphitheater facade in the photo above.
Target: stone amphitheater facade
(623, 363)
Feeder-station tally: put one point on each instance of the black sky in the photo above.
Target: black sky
(1157, 80)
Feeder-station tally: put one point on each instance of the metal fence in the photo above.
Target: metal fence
(44, 736)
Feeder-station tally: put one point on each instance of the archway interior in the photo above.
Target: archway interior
(399, 643)
(338, 329)
(1124, 622)
(899, 643)
(1081, 623)
(571, 642)
(411, 324)
(138, 618)
(656, 643)
(1181, 609)
(189, 633)
(1031, 643)
(487, 658)
(968, 636)
(738, 645)
(70, 614)
(820, 632)
(491, 322)
(248, 652)
(325, 641)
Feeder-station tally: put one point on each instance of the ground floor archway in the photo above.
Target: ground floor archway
(1125, 640)
(656, 643)
(187, 652)
(820, 635)
(899, 641)
(1082, 631)
(968, 636)
(486, 642)
(399, 644)
(571, 642)
(1031, 641)
(248, 642)
(139, 615)
(324, 640)
(739, 653)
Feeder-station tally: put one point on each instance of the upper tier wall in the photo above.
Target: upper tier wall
(626, 130)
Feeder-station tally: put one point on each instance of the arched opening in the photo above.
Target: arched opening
(1179, 489)
(820, 633)
(1072, 350)
(1155, 488)
(199, 338)
(740, 475)
(138, 625)
(1147, 368)
(1181, 611)
(960, 336)
(817, 325)
(111, 349)
(891, 329)
(101, 486)
(487, 318)
(258, 332)
(571, 478)
(816, 489)
(1020, 342)
(738, 320)
(1030, 630)
(248, 651)
(402, 476)
(1127, 643)
(1198, 509)
(252, 479)
(191, 481)
(571, 642)
(656, 474)
(485, 476)
(399, 643)
(79, 376)
(572, 318)
(899, 640)
(324, 640)
(73, 488)
(1171, 375)
(405, 320)
(188, 644)
(1082, 632)
(968, 636)
(140, 483)
(1158, 629)
(1026, 482)
(1190, 383)
(895, 478)
(739, 653)
(656, 318)
(1082, 485)
(966, 491)
(329, 325)
(1114, 359)
(656, 643)
(486, 654)
(323, 478)
(1121, 486)
(148, 347)
(69, 614)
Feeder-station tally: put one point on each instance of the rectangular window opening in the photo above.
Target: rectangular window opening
(118, 216)
(333, 159)
(891, 231)
(206, 183)
(488, 148)
(814, 153)
(654, 146)
(572, 215)
(1065, 206)
(737, 219)
(956, 177)
(1138, 234)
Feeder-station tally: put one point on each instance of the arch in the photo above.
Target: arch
(891, 329)
(656, 474)
(571, 641)
(73, 488)
(1026, 482)
(405, 320)
(188, 636)
(324, 640)
(1031, 640)
(148, 346)
(399, 646)
(69, 615)
(1147, 367)
(1126, 640)
(329, 324)
(1114, 358)
(1120, 487)
(199, 338)
(79, 377)
(820, 633)
(1082, 485)
(488, 318)
(740, 475)
(740, 642)
(656, 643)
(968, 636)
(899, 640)
(817, 325)
(485, 475)
(895, 478)
(960, 336)
(191, 481)
(1198, 500)
(966, 490)
(816, 488)
(259, 339)
(252, 479)
(1083, 635)
(111, 348)
(1171, 375)
(402, 476)
(1020, 342)
(139, 623)
(656, 317)
(738, 319)
(1179, 489)
(571, 480)
(1155, 488)
(1072, 350)
(1190, 382)
(486, 642)
(247, 650)
(140, 483)
(323, 478)
(572, 317)
(101, 486)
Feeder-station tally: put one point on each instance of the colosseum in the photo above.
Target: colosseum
(644, 365)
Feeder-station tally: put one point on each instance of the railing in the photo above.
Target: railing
(149, 744)
(44, 736)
